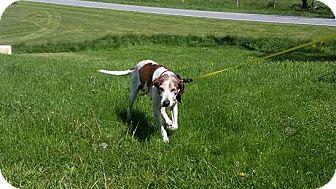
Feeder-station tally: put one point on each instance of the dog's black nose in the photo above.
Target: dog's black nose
(165, 103)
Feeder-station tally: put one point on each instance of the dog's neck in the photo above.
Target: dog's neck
(160, 71)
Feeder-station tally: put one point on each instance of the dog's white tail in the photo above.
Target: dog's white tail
(125, 72)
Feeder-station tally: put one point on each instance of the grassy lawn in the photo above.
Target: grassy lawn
(35, 23)
(283, 7)
(262, 126)
(269, 125)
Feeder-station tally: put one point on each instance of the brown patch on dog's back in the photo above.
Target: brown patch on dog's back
(146, 74)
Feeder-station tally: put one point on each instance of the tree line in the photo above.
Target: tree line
(304, 4)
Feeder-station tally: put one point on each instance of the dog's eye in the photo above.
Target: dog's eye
(161, 89)
(173, 90)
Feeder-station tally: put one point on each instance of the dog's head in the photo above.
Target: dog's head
(170, 89)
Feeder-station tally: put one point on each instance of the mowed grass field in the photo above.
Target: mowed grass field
(284, 7)
(41, 23)
(267, 125)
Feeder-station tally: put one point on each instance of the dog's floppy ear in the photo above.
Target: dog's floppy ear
(180, 85)
(158, 81)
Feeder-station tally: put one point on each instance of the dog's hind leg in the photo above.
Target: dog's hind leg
(135, 84)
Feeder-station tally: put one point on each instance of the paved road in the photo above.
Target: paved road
(197, 13)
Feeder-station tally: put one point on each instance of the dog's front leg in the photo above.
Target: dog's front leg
(174, 124)
(169, 122)
(156, 113)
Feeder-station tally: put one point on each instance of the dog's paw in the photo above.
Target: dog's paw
(173, 127)
(164, 135)
(169, 122)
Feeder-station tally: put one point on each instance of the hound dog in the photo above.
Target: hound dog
(163, 86)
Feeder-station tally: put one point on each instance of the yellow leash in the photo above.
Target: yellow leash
(313, 42)
(217, 72)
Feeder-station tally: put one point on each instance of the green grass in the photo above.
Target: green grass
(283, 7)
(269, 125)
(35, 23)
(274, 122)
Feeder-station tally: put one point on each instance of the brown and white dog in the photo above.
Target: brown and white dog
(163, 86)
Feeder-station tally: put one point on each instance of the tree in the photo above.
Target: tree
(304, 4)
(274, 2)
(314, 6)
